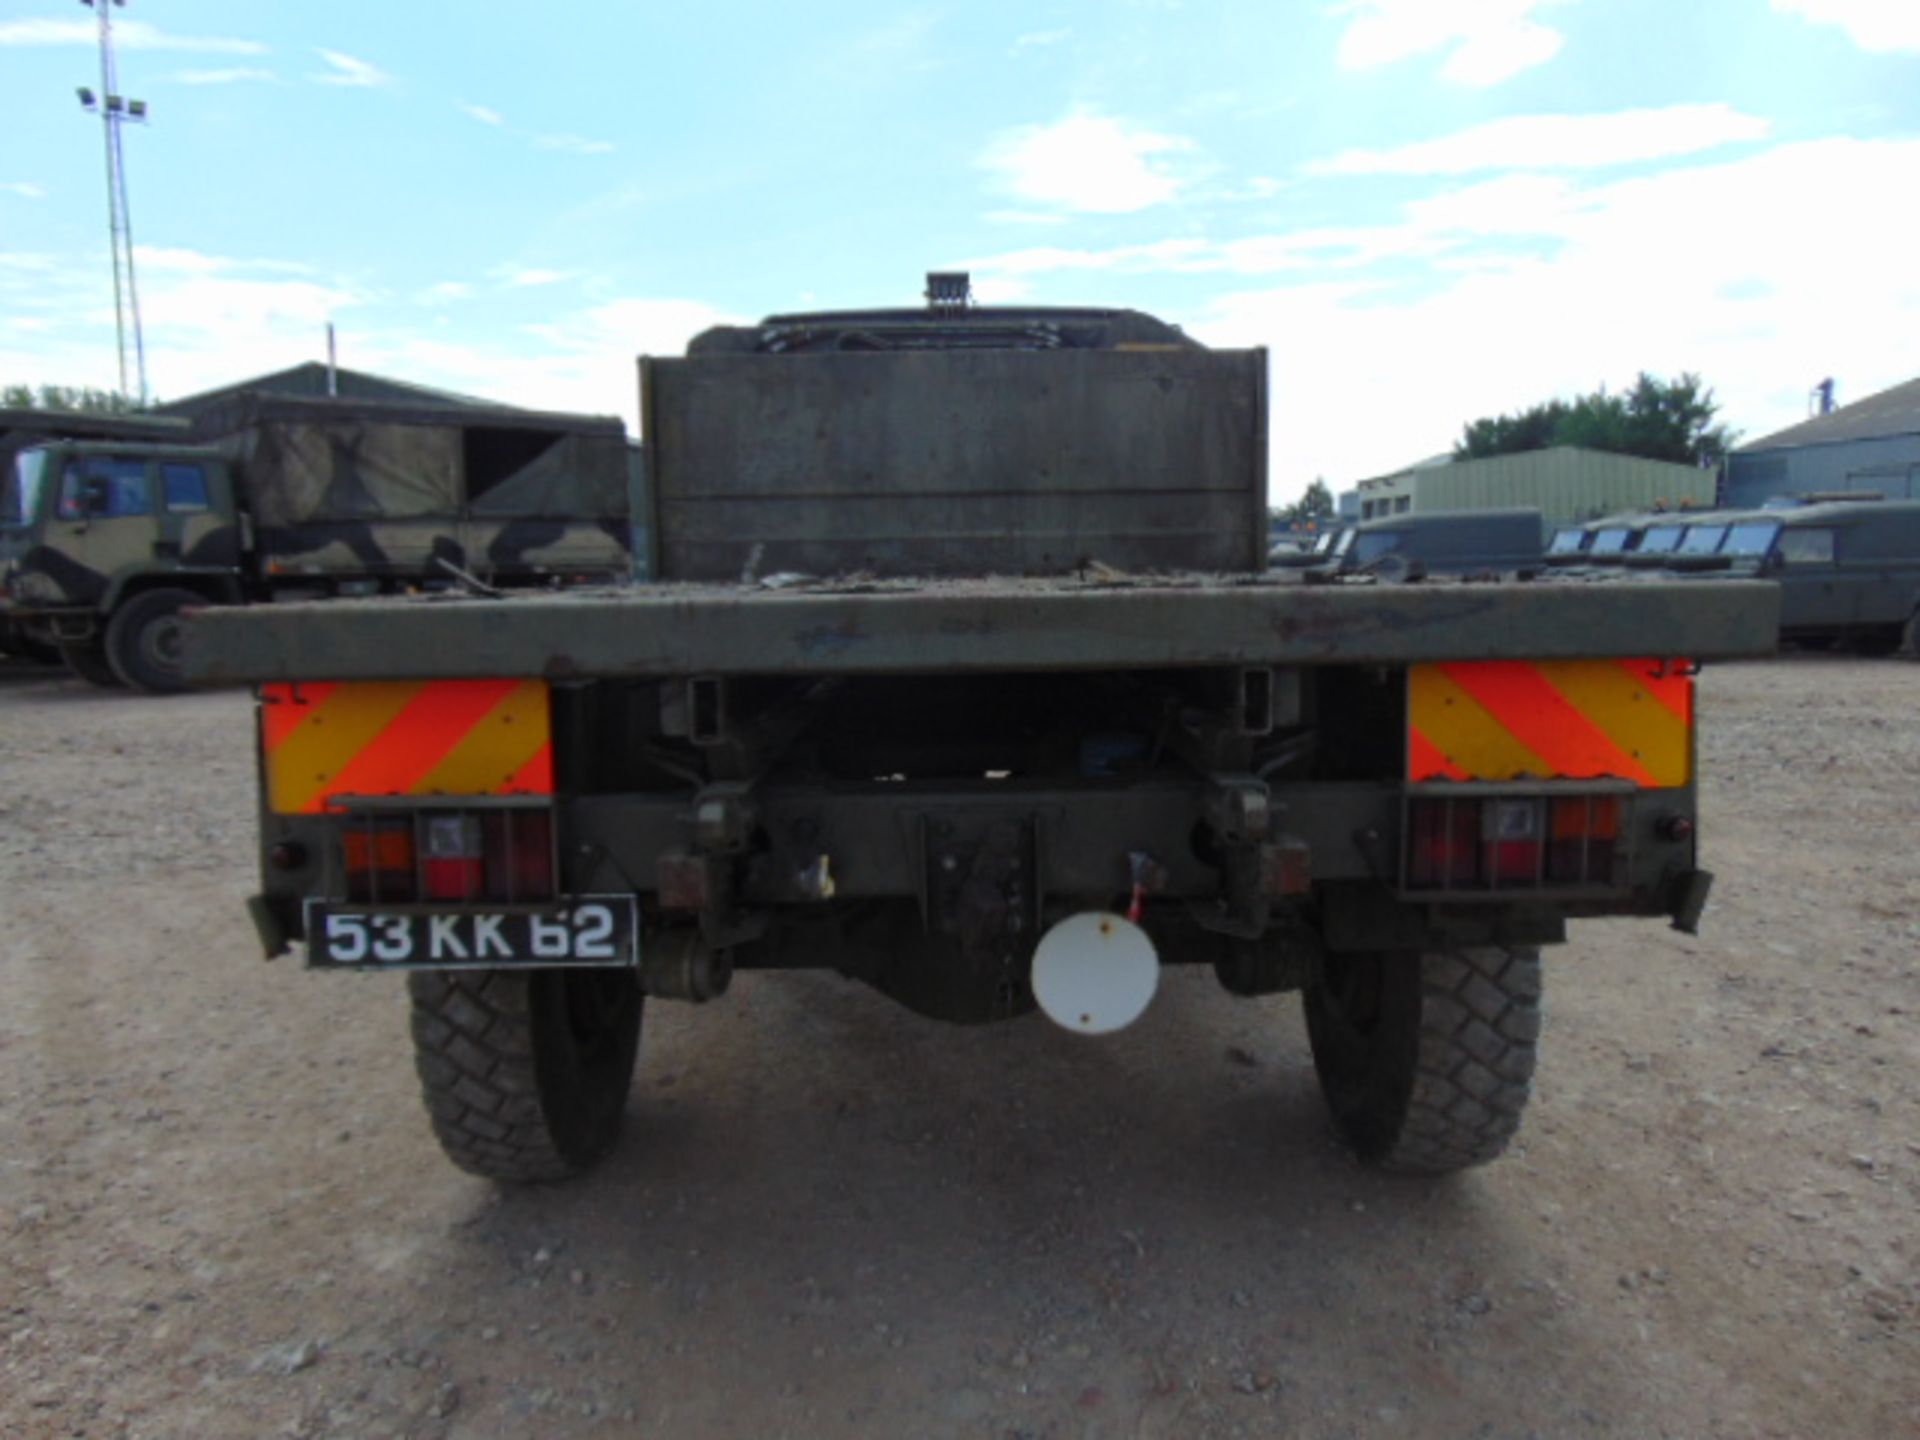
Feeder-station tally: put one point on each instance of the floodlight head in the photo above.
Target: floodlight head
(137, 109)
(86, 96)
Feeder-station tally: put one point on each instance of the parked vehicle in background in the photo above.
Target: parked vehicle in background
(1440, 542)
(1848, 570)
(1326, 546)
(21, 428)
(103, 543)
(1015, 718)
(1849, 574)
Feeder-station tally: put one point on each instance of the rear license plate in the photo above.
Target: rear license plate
(589, 930)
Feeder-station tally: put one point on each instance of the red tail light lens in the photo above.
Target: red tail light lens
(519, 852)
(1444, 851)
(454, 866)
(450, 855)
(1586, 829)
(378, 854)
(1512, 843)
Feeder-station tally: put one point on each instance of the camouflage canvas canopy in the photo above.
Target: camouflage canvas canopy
(325, 460)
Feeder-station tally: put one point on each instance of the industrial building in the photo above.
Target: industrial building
(315, 380)
(1566, 484)
(1872, 446)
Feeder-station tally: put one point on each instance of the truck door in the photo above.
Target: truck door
(101, 526)
(195, 526)
(1811, 595)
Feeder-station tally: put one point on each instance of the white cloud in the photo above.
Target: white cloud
(1558, 142)
(220, 77)
(516, 277)
(127, 35)
(1376, 368)
(445, 290)
(208, 320)
(1158, 257)
(1039, 40)
(25, 189)
(582, 361)
(483, 114)
(1487, 297)
(1024, 217)
(1485, 41)
(1881, 26)
(350, 73)
(573, 144)
(199, 262)
(1089, 163)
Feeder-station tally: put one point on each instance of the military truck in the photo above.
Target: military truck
(21, 427)
(964, 677)
(1441, 542)
(1848, 570)
(104, 542)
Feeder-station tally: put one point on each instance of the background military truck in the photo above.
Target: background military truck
(21, 427)
(1444, 542)
(965, 678)
(103, 542)
(1848, 571)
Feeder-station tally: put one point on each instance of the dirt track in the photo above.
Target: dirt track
(223, 1215)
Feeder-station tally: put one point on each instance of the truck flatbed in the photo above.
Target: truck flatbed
(986, 625)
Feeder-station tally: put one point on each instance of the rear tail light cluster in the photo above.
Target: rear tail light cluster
(1512, 843)
(498, 854)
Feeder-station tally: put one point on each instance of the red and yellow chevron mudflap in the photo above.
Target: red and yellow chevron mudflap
(1551, 720)
(407, 737)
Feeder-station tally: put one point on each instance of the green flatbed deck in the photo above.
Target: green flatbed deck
(975, 626)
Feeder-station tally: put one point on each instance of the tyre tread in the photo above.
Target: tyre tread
(1473, 1075)
(474, 1056)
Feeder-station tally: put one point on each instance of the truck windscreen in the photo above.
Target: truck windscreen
(1568, 540)
(20, 488)
(1752, 538)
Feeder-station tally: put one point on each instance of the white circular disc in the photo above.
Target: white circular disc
(1095, 973)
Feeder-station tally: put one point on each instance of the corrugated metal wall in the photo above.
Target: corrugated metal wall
(1889, 464)
(1565, 484)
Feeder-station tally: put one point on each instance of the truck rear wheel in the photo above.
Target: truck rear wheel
(143, 640)
(88, 660)
(525, 1072)
(1426, 1059)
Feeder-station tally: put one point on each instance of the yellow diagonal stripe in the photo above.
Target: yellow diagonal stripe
(488, 755)
(1640, 725)
(327, 741)
(1464, 730)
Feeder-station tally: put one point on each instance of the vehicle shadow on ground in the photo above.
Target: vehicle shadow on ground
(884, 1210)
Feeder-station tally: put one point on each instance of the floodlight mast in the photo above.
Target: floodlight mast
(114, 109)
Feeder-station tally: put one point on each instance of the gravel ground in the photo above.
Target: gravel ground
(223, 1214)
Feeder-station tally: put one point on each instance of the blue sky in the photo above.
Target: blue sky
(1427, 210)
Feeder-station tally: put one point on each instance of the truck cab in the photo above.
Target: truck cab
(90, 526)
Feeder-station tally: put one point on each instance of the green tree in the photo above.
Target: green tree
(68, 398)
(1312, 507)
(1658, 419)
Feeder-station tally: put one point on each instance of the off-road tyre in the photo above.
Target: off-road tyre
(525, 1072)
(1426, 1059)
(88, 660)
(143, 640)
